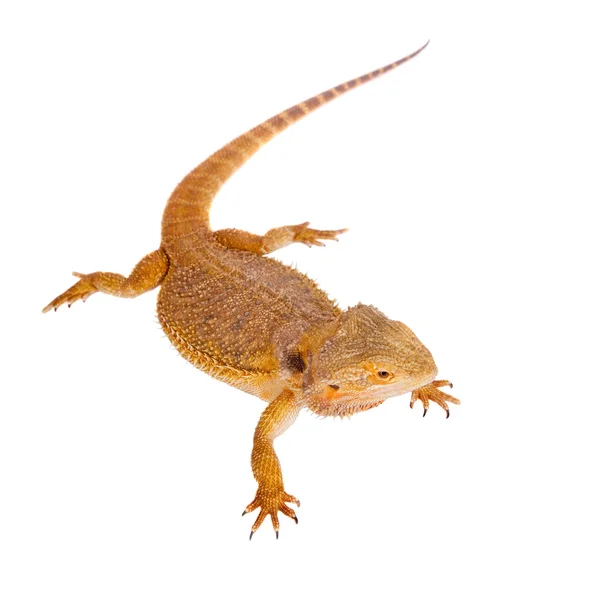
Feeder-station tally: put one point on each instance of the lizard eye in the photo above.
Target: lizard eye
(383, 374)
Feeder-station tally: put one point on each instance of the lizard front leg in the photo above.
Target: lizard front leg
(270, 496)
(430, 392)
(275, 238)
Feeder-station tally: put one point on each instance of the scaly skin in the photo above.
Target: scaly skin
(261, 326)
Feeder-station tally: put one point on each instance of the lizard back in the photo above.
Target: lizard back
(234, 313)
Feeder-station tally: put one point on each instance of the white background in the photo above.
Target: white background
(469, 182)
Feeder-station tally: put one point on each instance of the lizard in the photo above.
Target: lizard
(262, 326)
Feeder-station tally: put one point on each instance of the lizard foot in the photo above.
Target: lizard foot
(82, 290)
(270, 503)
(312, 237)
(431, 392)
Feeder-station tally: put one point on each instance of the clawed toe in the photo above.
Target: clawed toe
(271, 504)
(430, 392)
(313, 237)
(82, 290)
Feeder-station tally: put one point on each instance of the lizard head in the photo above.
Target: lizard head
(365, 359)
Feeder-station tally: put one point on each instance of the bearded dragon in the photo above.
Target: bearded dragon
(262, 326)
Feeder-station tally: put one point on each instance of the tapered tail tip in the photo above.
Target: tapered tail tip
(422, 47)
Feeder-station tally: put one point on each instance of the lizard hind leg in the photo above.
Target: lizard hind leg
(146, 275)
(276, 238)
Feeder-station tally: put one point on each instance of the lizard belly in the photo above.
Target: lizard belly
(233, 313)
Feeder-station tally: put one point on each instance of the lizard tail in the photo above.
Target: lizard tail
(186, 212)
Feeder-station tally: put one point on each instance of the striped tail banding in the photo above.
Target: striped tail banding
(187, 210)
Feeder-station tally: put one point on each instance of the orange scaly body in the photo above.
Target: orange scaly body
(262, 326)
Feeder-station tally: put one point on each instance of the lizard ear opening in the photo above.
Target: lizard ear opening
(295, 362)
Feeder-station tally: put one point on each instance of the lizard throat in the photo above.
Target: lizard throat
(326, 407)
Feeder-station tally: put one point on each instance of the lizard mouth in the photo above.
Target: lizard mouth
(336, 402)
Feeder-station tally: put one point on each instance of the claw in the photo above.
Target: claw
(425, 411)
(251, 534)
(277, 534)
